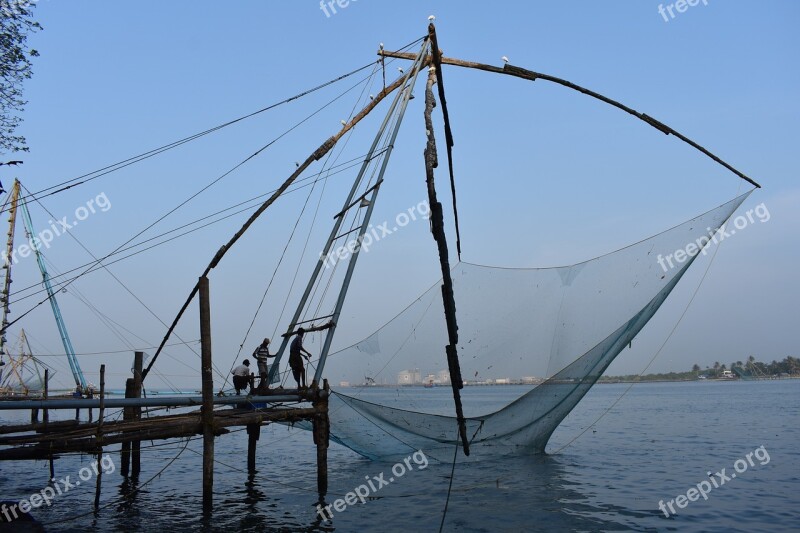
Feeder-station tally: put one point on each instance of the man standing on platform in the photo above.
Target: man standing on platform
(296, 358)
(262, 354)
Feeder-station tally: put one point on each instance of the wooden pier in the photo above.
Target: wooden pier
(47, 440)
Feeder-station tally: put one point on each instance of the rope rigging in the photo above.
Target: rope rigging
(190, 198)
(343, 167)
(89, 176)
(318, 154)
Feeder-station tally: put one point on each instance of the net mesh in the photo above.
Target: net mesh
(558, 327)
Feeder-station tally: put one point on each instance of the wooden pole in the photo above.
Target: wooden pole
(136, 446)
(45, 414)
(321, 425)
(99, 471)
(525, 74)
(46, 419)
(208, 396)
(253, 434)
(127, 415)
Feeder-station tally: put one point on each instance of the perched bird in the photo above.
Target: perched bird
(431, 18)
(401, 70)
(344, 123)
(371, 97)
(297, 164)
(381, 45)
(505, 59)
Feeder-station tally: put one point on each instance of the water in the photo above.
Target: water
(658, 442)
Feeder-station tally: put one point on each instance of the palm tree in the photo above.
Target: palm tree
(716, 368)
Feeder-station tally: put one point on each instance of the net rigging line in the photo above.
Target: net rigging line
(324, 168)
(127, 289)
(156, 151)
(89, 176)
(248, 206)
(316, 155)
(362, 160)
(184, 202)
(127, 496)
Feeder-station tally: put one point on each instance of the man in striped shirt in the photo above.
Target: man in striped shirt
(262, 354)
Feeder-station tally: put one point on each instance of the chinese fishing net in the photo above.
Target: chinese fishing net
(562, 326)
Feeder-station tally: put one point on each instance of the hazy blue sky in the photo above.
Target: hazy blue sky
(546, 176)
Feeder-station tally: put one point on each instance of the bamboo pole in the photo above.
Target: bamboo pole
(208, 396)
(439, 235)
(530, 75)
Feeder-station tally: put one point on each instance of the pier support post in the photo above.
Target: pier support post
(99, 471)
(45, 414)
(136, 446)
(253, 434)
(321, 432)
(208, 396)
(125, 449)
(46, 418)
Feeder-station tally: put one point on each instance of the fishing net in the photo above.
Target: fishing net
(558, 327)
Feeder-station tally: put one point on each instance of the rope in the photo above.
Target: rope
(146, 155)
(127, 496)
(450, 485)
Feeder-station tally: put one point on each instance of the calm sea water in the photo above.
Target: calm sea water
(658, 442)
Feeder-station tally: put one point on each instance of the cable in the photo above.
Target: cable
(450, 485)
(352, 163)
(127, 496)
(190, 198)
(146, 155)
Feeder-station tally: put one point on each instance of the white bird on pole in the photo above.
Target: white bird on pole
(344, 123)
(431, 18)
(505, 59)
(401, 70)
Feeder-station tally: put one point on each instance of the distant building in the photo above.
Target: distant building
(344, 383)
(409, 377)
(444, 377)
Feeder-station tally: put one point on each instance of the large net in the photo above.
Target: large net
(558, 327)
